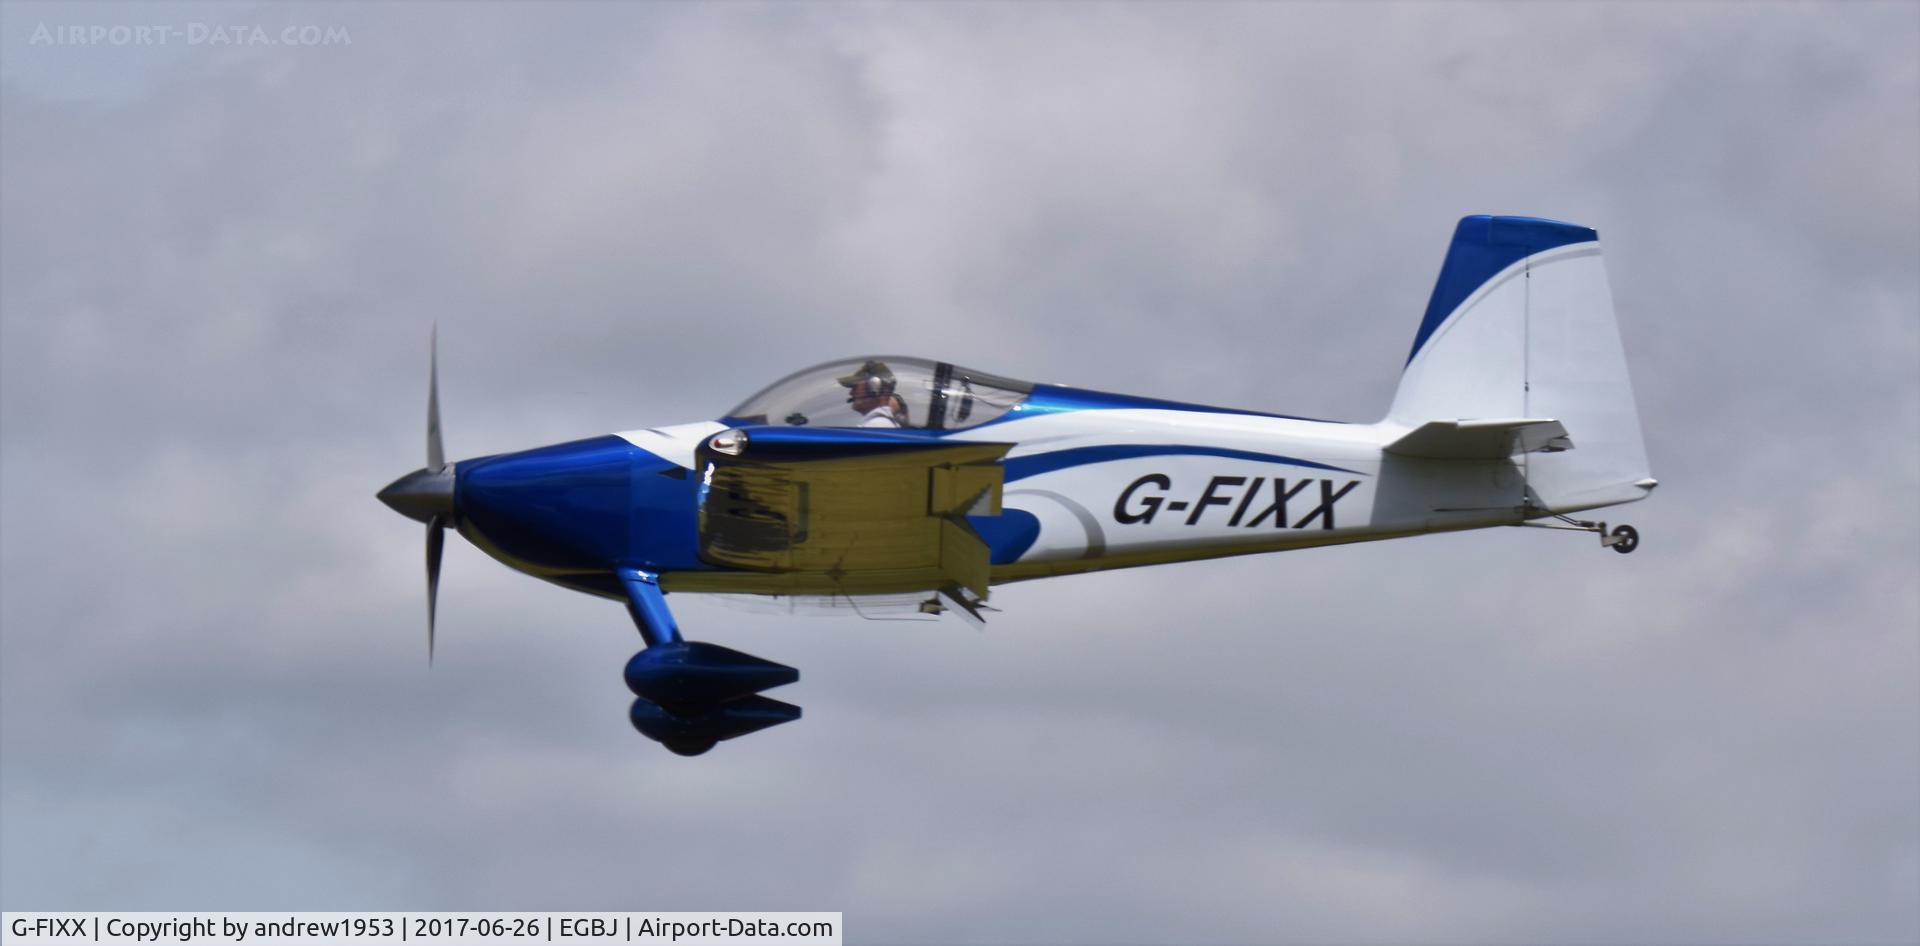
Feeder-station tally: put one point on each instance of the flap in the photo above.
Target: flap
(1482, 439)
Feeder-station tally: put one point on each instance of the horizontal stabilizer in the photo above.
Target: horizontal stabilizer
(1482, 439)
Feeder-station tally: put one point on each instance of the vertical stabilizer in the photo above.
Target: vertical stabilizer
(1521, 325)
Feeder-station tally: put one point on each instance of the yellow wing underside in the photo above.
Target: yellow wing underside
(884, 522)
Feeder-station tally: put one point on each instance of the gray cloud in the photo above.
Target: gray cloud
(216, 279)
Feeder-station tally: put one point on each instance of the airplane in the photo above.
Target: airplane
(888, 475)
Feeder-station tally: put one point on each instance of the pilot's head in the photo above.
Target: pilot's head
(869, 386)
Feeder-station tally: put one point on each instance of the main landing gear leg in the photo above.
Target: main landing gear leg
(690, 694)
(648, 605)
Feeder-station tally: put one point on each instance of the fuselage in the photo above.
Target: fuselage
(1091, 481)
(1513, 404)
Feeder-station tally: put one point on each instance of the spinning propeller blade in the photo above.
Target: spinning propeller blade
(436, 458)
(436, 539)
(426, 494)
(436, 462)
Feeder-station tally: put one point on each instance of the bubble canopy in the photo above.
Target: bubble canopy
(884, 391)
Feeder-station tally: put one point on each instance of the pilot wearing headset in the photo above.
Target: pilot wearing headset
(870, 392)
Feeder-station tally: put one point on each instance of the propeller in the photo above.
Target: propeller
(426, 494)
(436, 463)
(436, 540)
(436, 457)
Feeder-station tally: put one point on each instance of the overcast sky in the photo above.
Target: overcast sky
(219, 265)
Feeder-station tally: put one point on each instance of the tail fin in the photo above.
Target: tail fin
(1521, 327)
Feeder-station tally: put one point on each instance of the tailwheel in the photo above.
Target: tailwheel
(1625, 539)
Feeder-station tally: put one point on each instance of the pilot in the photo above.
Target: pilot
(870, 391)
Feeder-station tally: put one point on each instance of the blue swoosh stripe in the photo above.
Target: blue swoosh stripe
(1019, 468)
(1054, 398)
(1484, 246)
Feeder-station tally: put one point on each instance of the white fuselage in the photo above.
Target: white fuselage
(1123, 487)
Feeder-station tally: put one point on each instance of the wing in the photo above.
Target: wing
(850, 511)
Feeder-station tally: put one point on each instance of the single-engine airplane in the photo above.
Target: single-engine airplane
(883, 475)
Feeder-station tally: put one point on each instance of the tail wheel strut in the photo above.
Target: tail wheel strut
(1623, 539)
